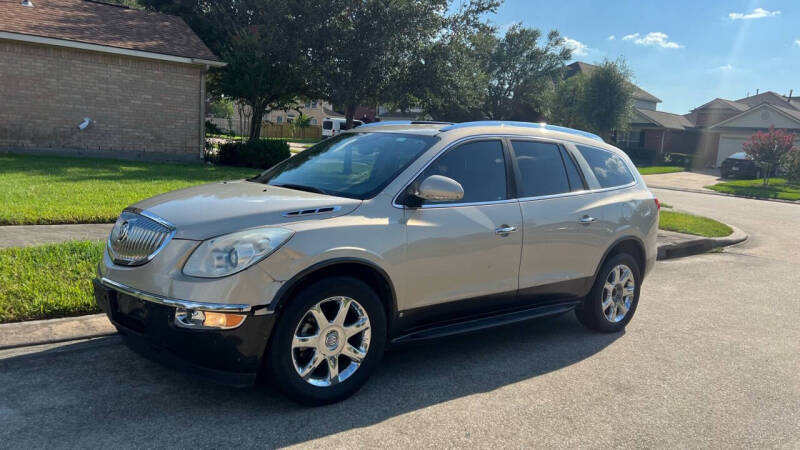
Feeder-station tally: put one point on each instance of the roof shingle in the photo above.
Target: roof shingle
(586, 68)
(104, 24)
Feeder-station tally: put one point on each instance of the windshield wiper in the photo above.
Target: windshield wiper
(301, 187)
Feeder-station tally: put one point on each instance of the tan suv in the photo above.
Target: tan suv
(386, 234)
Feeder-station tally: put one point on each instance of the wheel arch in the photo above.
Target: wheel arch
(358, 268)
(631, 245)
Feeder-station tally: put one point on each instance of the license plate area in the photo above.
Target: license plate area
(130, 312)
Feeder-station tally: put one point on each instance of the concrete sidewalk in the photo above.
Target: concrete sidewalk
(695, 180)
(29, 235)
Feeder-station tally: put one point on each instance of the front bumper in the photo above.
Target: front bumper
(232, 357)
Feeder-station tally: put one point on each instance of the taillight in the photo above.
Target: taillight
(658, 203)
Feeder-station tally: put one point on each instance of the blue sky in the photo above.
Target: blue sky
(683, 52)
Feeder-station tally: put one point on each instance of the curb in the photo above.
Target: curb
(695, 245)
(723, 194)
(51, 331)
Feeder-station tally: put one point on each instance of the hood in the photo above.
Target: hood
(208, 210)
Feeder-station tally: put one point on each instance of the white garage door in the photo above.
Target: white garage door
(729, 146)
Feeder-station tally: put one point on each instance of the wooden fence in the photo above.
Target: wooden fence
(286, 130)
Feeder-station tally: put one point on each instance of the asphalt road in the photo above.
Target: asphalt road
(712, 359)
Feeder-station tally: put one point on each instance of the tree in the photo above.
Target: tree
(600, 101)
(608, 98)
(769, 149)
(472, 74)
(262, 43)
(221, 107)
(361, 51)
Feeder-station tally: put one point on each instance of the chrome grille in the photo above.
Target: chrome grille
(137, 238)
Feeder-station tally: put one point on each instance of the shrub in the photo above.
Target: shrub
(769, 148)
(680, 159)
(212, 128)
(256, 153)
(791, 164)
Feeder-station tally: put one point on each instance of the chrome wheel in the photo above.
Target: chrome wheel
(618, 293)
(331, 341)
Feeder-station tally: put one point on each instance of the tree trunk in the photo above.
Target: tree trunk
(255, 121)
(765, 174)
(349, 114)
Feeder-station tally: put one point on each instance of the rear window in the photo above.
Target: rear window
(609, 169)
(327, 125)
(541, 168)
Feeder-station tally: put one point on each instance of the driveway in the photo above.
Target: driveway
(697, 179)
(710, 360)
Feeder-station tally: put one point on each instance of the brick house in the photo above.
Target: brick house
(84, 77)
(714, 130)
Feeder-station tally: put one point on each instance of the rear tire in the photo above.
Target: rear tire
(614, 296)
(358, 334)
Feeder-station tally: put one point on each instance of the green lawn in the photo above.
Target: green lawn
(691, 224)
(52, 189)
(777, 188)
(655, 170)
(48, 281)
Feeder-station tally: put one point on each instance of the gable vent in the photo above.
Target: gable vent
(308, 212)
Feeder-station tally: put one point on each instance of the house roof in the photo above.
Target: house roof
(97, 23)
(771, 98)
(665, 119)
(586, 68)
(736, 106)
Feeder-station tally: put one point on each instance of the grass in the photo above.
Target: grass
(48, 281)
(655, 170)
(778, 188)
(691, 224)
(52, 189)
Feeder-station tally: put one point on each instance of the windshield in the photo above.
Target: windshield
(354, 165)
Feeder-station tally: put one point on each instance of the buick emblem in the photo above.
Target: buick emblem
(123, 231)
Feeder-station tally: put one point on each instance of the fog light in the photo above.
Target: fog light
(223, 320)
(188, 318)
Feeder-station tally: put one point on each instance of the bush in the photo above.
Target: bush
(258, 153)
(680, 159)
(791, 165)
(212, 128)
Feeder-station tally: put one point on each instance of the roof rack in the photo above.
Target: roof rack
(405, 122)
(540, 126)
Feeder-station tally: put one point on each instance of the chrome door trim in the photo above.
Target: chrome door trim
(510, 200)
(174, 302)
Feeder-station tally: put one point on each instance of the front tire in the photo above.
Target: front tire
(328, 341)
(614, 296)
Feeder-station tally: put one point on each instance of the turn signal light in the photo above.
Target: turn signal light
(223, 320)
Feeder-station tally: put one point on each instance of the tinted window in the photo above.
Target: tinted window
(327, 124)
(575, 180)
(609, 168)
(478, 166)
(541, 169)
(356, 165)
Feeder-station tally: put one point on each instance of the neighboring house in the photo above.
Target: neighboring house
(317, 110)
(133, 80)
(714, 130)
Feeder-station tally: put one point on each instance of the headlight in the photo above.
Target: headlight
(231, 253)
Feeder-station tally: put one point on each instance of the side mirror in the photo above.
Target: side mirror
(438, 188)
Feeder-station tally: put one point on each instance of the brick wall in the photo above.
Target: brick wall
(141, 108)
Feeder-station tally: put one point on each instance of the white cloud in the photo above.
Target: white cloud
(758, 13)
(797, 42)
(652, 39)
(612, 37)
(578, 48)
(725, 68)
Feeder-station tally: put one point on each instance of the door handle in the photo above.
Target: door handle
(505, 229)
(586, 220)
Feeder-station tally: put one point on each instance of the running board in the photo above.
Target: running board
(483, 323)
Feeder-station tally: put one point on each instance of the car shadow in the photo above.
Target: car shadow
(92, 394)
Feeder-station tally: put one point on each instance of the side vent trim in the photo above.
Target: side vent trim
(314, 211)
